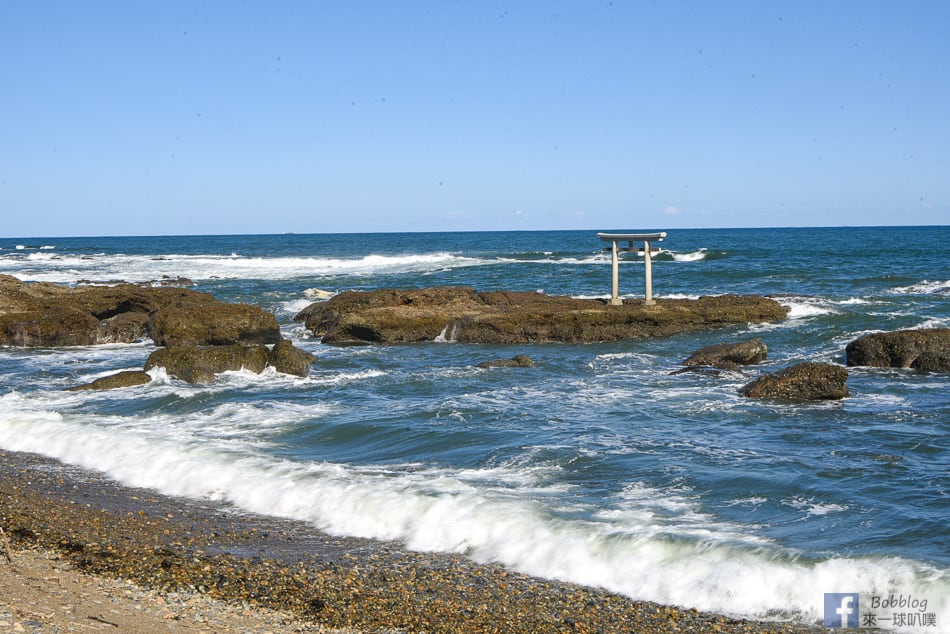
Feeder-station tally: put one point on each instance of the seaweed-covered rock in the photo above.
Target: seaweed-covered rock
(285, 357)
(48, 327)
(127, 378)
(199, 364)
(924, 349)
(935, 361)
(42, 314)
(517, 361)
(217, 324)
(122, 328)
(730, 355)
(400, 316)
(805, 381)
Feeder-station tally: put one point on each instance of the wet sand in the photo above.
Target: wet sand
(88, 554)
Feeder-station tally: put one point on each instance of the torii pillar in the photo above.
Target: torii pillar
(630, 238)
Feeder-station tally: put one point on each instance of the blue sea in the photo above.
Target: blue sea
(596, 466)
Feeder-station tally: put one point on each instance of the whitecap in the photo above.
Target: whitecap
(294, 306)
(69, 268)
(652, 544)
(812, 508)
(935, 322)
(807, 307)
(924, 287)
(692, 256)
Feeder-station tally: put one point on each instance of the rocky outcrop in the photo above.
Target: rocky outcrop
(214, 324)
(49, 327)
(517, 361)
(50, 315)
(502, 317)
(805, 381)
(202, 336)
(924, 349)
(285, 357)
(128, 378)
(729, 356)
(122, 328)
(199, 364)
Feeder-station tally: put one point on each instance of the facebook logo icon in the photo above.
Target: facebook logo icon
(841, 609)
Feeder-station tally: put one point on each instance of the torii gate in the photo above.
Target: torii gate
(614, 238)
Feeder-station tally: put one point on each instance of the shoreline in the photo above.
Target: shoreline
(286, 574)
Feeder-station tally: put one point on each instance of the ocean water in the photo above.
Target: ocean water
(596, 466)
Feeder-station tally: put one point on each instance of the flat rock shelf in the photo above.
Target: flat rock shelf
(503, 317)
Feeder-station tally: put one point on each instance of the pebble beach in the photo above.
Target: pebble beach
(82, 553)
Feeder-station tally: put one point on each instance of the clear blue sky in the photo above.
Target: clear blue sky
(142, 118)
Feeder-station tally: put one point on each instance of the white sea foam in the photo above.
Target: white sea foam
(657, 545)
(680, 296)
(749, 501)
(812, 508)
(807, 307)
(924, 287)
(692, 256)
(339, 378)
(52, 267)
(448, 334)
(294, 306)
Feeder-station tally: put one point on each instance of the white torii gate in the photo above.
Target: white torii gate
(614, 238)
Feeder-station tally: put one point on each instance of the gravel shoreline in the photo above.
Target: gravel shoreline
(200, 566)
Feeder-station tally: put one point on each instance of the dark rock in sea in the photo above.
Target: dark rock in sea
(42, 314)
(502, 317)
(128, 378)
(122, 328)
(167, 280)
(936, 361)
(517, 361)
(925, 349)
(729, 356)
(216, 324)
(805, 381)
(286, 358)
(199, 364)
(51, 326)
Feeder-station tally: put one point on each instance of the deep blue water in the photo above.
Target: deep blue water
(595, 466)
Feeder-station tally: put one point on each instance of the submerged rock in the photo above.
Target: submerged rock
(925, 349)
(503, 317)
(707, 370)
(729, 356)
(517, 361)
(804, 381)
(128, 378)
